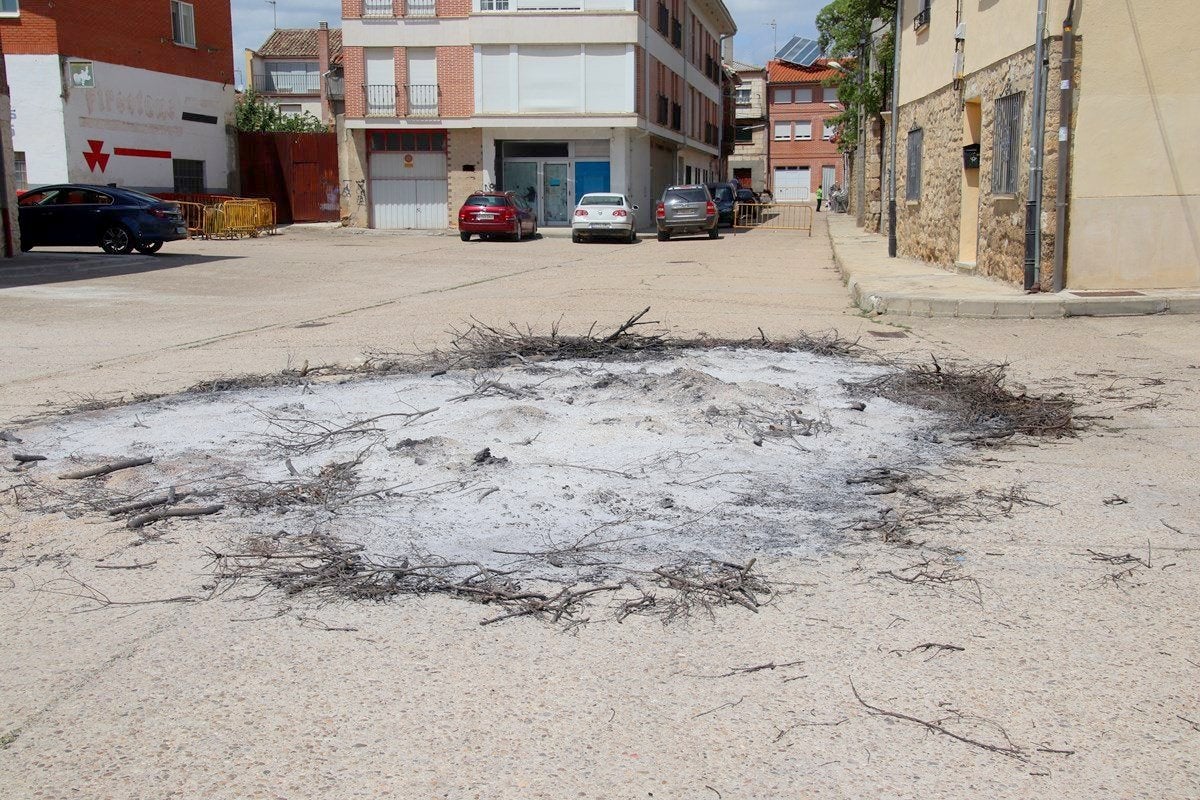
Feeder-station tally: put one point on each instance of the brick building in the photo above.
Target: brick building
(549, 99)
(802, 153)
(132, 92)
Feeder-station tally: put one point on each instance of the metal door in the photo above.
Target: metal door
(408, 190)
(791, 184)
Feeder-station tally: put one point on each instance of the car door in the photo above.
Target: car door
(86, 215)
(72, 220)
(34, 211)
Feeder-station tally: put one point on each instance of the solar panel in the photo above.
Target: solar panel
(800, 51)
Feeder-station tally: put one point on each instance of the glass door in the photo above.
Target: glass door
(521, 178)
(556, 197)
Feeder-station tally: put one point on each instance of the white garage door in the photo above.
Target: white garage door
(791, 184)
(408, 190)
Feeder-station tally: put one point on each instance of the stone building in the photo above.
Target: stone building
(748, 164)
(550, 100)
(967, 136)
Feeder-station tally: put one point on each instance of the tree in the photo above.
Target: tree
(254, 114)
(859, 29)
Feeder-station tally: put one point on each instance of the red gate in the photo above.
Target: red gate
(299, 171)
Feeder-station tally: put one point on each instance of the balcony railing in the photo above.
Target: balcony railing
(676, 34)
(380, 100)
(286, 84)
(420, 8)
(377, 8)
(422, 100)
(664, 19)
(921, 19)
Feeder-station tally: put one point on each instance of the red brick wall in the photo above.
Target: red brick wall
(352, 9)
(815, 153)
(456, 77)
(400, 65)
(85, 29)
(639, 91)
(354, 66)
(453, 8)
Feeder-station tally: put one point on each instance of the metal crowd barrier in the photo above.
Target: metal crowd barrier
(228, 218)
(774, 216)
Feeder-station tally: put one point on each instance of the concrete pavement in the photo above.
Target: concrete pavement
(908, 287)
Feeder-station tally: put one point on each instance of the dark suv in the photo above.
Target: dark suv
(724, 195)
(684, 210)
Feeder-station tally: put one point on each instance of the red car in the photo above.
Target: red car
(496, 214)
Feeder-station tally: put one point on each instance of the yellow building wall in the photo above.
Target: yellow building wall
(1135, 207)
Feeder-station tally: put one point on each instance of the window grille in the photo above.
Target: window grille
(912, 176)
(189, 176)
(1006, 127)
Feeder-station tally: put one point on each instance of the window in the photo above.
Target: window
(803, 95)
(420, 8)
(377, 8)
(291, 109)
(189, 176)
(744, 133)
(82, 197)
(742, 96)
(921, 20)
(408, 141)
(804, 130)
(912, 177)
(10, 8)
(783, 131)
(830, 130)
(493, 5)
(20, 173)
(1007, 131)
(183, 23)
(783, 95)
(292, 77)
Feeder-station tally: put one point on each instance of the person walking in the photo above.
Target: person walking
(820, 197)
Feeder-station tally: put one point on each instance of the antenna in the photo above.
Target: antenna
(774, 36)
(274, 13)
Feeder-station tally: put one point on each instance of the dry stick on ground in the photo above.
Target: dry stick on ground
(139, 565)
(142, 520)
(757, 668)
(150, 502)
(1009, 751)
(26, 458)
(104, 469)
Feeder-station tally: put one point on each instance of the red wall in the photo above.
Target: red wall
(133, 33)
(814, 154)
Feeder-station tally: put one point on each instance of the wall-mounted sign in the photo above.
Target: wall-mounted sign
(83, 76)
(408, 160)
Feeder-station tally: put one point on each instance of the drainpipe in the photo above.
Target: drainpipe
(895, 129)
(1033, 206)
(721, 159)
(1066, 97)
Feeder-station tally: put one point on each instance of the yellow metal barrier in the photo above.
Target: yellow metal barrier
(193, 217)
(228, 219)
(774, 216)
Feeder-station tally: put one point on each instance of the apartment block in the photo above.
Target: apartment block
(547, 98)
(801, 109)
(132, 92)
(300, 71)
(748, 162)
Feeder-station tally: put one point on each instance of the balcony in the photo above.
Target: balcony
(377, 8)
(286, 84)
(921, 20)
(422, 100)
(380, 100)
(420, 8)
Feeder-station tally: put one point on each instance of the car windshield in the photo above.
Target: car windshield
(602, 200)
(689, 195)
(723, 194)
(486, 200)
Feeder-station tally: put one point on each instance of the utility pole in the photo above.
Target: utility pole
(895, 126)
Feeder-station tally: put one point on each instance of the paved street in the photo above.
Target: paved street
(1097, 682)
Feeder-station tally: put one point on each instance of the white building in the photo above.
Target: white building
(547, 99)
(148, 109)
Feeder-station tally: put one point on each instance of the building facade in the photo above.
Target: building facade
(547, 99)
(802, 151)
(147, 109)
(970, 148)
(299, 70)
(748, 163)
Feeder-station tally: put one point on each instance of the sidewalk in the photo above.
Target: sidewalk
(907, 287)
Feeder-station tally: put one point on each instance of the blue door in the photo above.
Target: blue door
(591, 176)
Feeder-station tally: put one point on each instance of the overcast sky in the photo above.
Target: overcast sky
(253, 21)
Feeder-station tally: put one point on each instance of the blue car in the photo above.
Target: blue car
(117, 220)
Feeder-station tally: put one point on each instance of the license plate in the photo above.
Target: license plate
(600, 225)
(485, 216)
(181, 230)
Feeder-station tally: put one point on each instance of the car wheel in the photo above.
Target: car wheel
(116, 240)
(576, 238)
(663, 236)
(466, 237)
(714, 232)
(632, 236)
(148, 248)
(517, 234)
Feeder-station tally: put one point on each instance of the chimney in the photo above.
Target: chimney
(727, 50)
(323, 69)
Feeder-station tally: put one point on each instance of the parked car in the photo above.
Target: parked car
(118, 220)
(724, 195)
(750, 212)
(604, 215)
(491, 214)
(684, 210)
(748, 196)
